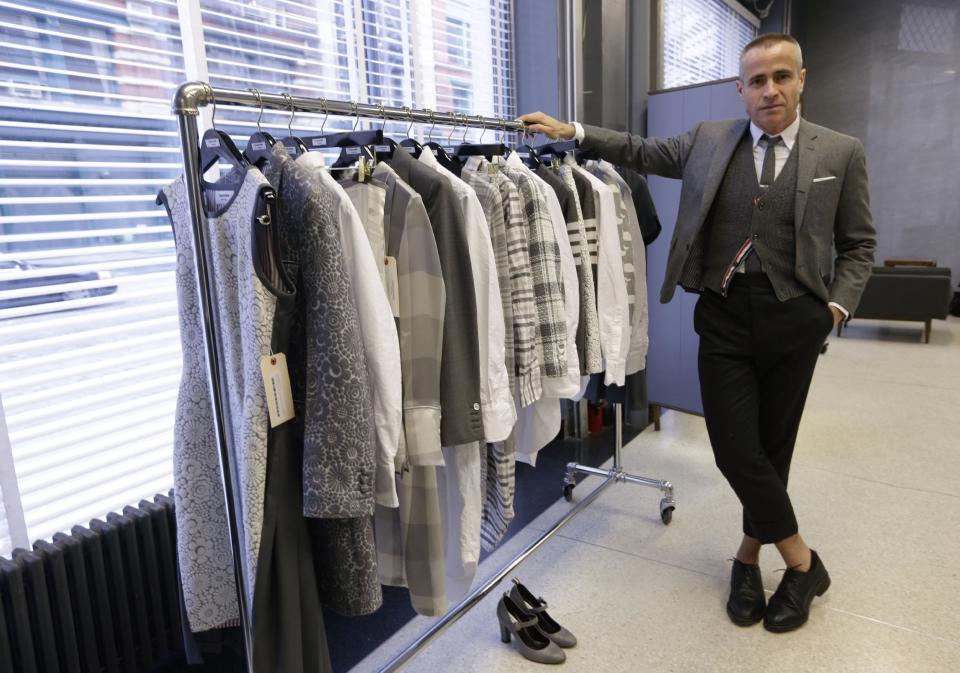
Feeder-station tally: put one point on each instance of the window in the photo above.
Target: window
(89, 341)
(702, 40)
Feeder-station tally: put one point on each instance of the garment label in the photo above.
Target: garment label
(392, 283)
(259, 146)
(318, 142)
(276, 383)
(213, 142)
(222, 198)
(353, 150)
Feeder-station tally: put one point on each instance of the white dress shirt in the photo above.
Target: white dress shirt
(381, 344)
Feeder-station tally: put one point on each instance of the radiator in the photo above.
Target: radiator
(103, 599)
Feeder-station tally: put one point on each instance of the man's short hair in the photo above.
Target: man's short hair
(768, 39)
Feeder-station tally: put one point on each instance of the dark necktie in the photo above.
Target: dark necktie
(768, 174)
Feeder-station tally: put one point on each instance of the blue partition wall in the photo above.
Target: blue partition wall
(672, 361)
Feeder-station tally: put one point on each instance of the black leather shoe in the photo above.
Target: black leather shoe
(790, 604)
(747, 602)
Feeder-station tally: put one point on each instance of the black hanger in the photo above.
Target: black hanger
(383, 151)
(217, 146)
(355, 144)
(410, 144)
(481, 149)
(294, 145)
(559, 148)
(439, 150)
(530, 155)
(259, 150)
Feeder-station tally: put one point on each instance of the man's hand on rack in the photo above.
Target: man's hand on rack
(538, 122)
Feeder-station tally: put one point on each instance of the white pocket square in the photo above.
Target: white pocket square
(829, 177)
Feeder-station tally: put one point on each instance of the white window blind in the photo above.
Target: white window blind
(445, 55)
(702, 40)
(89, 342)
(89, 347)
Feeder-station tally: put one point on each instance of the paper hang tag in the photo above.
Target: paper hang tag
(276, 383)
(392, 283)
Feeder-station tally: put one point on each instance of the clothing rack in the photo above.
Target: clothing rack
(192, 96)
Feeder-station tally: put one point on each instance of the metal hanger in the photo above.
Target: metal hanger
(410, 143)
(260, 145)
(295, 146)
(216, 145)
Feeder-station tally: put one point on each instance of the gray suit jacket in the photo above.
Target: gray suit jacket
(832, 200)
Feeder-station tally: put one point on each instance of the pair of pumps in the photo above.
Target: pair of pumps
(539, 637)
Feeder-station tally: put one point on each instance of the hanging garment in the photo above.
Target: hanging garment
(540, 423)
(643, 203)
(410, 542)
(522, 293)
(612, 309)
(626, 253)
(587, 325)
(569, 382)
(331, 389)
(377, 327)
(460, 486)
(639, 320)
(498, 469)
(496, 398)
(461, 421)
(287, 623)
(247, 304)
(587, 227)
(547, 276)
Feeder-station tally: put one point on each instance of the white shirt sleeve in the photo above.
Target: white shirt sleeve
(579, 135)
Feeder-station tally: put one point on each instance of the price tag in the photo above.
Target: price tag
(276, 383)
(259, 146)
(213, 142)
(410, 150)
(381, 148)
(392, 284)
(353, 150)
(318, 142)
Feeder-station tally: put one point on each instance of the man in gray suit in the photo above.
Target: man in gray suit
(764, 203)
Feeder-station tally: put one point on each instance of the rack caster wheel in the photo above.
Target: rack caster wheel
(666, 512)
(568, 492)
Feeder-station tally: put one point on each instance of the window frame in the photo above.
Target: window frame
(657, 44)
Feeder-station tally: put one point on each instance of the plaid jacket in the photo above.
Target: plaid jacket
(547, 276)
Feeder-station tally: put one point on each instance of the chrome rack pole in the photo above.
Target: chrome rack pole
(186, 105)
(667, 504)
(202, 94)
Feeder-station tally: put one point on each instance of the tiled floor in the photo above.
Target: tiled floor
(875, 483)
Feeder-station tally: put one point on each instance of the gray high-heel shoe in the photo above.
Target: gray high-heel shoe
(538, 607)
(531, 643)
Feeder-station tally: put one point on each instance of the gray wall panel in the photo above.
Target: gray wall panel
(672, 378)
(888, 72)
